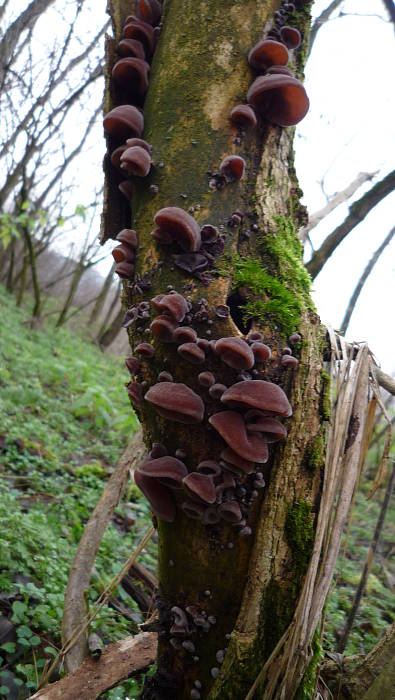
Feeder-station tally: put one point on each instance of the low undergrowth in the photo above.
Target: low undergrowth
(64, 421)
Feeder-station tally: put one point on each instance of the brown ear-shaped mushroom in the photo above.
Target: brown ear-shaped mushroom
(190, 262)
(261, 352)
(132, 364)
(232, 167)
(209, 467)
(149, 11)
(257, 422)
(142, 31)
(126, 188)
(163, 327)
(184, 334)
(139, 142)
(169, 470)
(257, 393)
(279, 98)
(230, 457)
(176, 402)
(206, 379)
(192, 353)
(136, 161)
(290, 36)
(159, 497)
(123, 122)
(132, 48)
(235, 352)
(125, 270)
(193, 509)
(131, 74)
(123, 253)
(289, 361)
(244, 116)
(268, 53)
(181, 226)
(230, 425)
(201, 485)
(116, 156)
(135, 393)
(230, 511)
(145, 350)
(129, 236)
(173, 304)
(279, 69)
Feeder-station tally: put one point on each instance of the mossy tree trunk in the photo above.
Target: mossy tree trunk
(199, 72)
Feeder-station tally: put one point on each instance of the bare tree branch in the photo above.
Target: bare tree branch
(321, 19)
(368, 269)
(334, 201)
(117, 662)
(358, 211)
(390, 7)
(80, 573)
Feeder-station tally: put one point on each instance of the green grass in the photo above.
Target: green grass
(64, 421)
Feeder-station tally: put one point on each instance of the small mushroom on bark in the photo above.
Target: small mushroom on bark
(123, 122)
(176, 401)
(265, 396)
(180, 227)
(267, 53)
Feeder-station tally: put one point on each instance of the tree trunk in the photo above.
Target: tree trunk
(100, 301)
(244, 580)
(76, 279)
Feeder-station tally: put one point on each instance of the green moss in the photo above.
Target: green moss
(277, 611)
(299, 532)
(269, 300)
(287, 252)
(307, 687)
(325, 402)
(314, 453)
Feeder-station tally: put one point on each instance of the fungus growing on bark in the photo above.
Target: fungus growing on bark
(231, 426)
(191, 262)
(279, 69)
(193, 510)
(132, 364)
(230, 511)
(139, 142)
(243, 116)
(255, 337)
(209, 467)
(173, 304)
(216, 390)
(159, 497)
(286, 351)
(230, 457)
(201, 485)
(125, 270)
(180, 624)
(126, 188)
(142, 31)
(163, 327)
(165, 377)
(289, 361)
(116, 156)
(209, 234)
(290, 36)
(149, 10)
(232, 167)
(235, 352)
(257, 422)
(123, 253)
(131, 74)
(206, 379)
(158, 450)
(123, 122)
(176, 402)
(180, 226)
(169, 470)
(268, 53)
(128, 236)
(136, 161)
(132, 48)
(281, 99)
(294, 338)
(145, 350)
(184, 334)
(261, 352)
(192, 353)
(265, 396)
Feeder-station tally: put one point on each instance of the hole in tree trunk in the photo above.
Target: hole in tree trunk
(235, 301)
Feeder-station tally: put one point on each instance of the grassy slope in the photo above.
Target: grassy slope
(64, 420)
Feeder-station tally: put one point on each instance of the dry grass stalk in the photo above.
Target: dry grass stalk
(348, 435)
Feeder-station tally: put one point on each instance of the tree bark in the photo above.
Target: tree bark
(358, 211)
(247, 585)
(100, 301)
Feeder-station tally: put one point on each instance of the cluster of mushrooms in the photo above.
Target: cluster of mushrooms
(232, 393)
(124, 125)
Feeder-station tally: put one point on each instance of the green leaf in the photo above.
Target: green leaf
(9, 647)
(35, 641)
(4, 690)
(24, 631)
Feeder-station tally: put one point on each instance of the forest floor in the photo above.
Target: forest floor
(65, 419)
